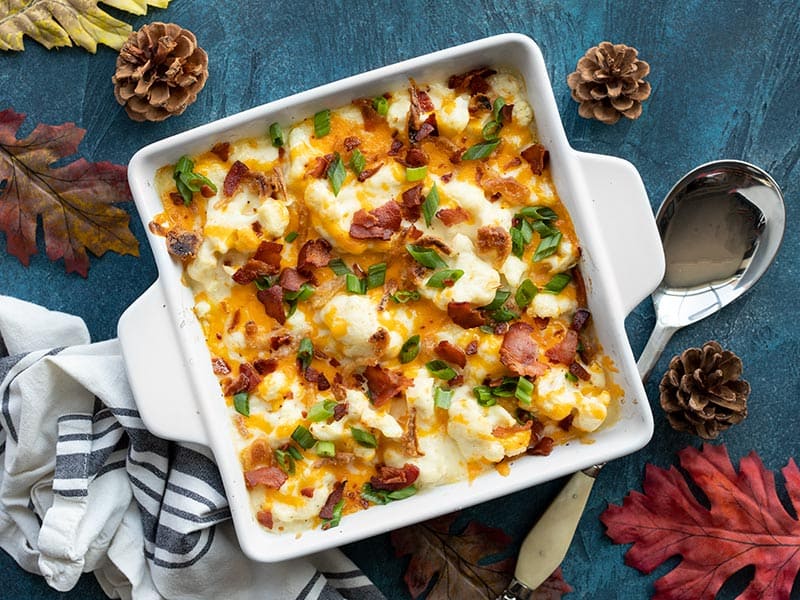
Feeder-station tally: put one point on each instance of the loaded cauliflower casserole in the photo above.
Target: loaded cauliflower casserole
(390, 296)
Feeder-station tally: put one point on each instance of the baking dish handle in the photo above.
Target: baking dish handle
(156, 370)
(626, 224)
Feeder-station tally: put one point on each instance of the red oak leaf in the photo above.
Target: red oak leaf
(75, 201)
(456, 563)
(746, 524)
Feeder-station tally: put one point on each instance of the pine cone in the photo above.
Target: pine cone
(609, 82)
(160, 71)
(702, 392)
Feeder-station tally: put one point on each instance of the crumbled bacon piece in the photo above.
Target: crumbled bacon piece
(507, 113)
(206, 191)
(272, 299)
(271, 477)
(577, 369)
(384, 384)
(519, 351)
(340, 410)
(409, 437)
(247, 381)
(277, 341)
(367, 173)
(412, 200)
(291, 280)
(514, 162)
(313, 255)
(371, 117)
(415, 157)
(472, 348)
(219, 366)
(319, 167)
(394, 478)
(473, 81)
(479, 103)
(566, 422)
(541, 322)
(425, 102)
(564, 351)
(235, 173)
(446, 177)
(252, 270)
(308, 492)
(494, 240)
(265, 518)
(270, 253)
(265, 366)
(394, 149)
(157, 228)
(351, 142)
(453, 216)
(378, 224)
(580, 318)
(250, 328)
(222, 150)
(537, 156)
(183, 244)
(542, 447)
(313, 376)
(507, 188)
(429, 127)
(451, 353)
(465, 315)
(333, 499)
(504, 432)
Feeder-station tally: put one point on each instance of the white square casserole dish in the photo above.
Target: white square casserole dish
(169, 364)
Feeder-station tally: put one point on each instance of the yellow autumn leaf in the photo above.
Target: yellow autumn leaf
(55, 23)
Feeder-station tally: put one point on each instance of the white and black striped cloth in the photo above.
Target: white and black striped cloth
(85, 487)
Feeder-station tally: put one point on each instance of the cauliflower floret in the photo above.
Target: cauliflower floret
(273, 216)
(452, 112)
(297, 516)
(557, 397)
(441, 462)
(552, 305)
(471, 427)
(352, 321)
(359, 408)
(397, 115)
(300, 150)
(209, 274)
(514, 270)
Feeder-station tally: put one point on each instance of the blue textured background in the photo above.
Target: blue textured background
(725, 85)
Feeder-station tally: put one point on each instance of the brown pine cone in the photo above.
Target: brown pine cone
(609, 82)
(160, 71)
(702, 392)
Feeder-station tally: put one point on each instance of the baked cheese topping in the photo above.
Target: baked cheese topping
(390, 295)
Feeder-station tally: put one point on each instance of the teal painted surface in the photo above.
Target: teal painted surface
(725, 85)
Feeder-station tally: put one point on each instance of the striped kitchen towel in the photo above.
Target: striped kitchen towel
(85, 487)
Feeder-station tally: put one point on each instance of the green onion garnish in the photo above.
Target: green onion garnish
(523, 391)
(410, 349)
(290, 237)
(558, 282)
(264, 283)
(295, 453)
(543, 229)
(276, 135)
(336, 173)
(440, 369)
(305, 352)
(376, 275)
(357, 161)
(354, 284)
(285, 461)
(337, 516)
(502, 315)
(491, 131)
(338, 266)
(480, 151)
(444, 278)
(506, 389)
(403, 296)
(442, 398)
(431, 205)
(571, 377)
(370, 494)
(498, 105)
(483, 394)
(303, 437)
(500, 297)
(416, 173)
(427, 257)
(241, 402)
(304, 293)
(547, 247)
(539, 213)
(364, 438)
(322, 123)
(325, 448)
(525, 293)
(187, 181)
(381, 105)
(321, 411)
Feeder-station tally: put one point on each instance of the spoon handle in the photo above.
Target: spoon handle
(653, 349)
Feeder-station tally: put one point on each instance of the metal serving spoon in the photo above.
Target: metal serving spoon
(721, 226)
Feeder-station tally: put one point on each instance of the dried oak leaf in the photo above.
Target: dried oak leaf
(55, 23)
(746, 524)
(75, 201)
(459, 561)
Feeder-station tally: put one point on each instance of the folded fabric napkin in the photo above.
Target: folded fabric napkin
(85, 487)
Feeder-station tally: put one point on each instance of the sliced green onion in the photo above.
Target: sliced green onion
(416, 173)
(517, 242)
(305, 352)
(547, 247)
(410, 349)
(376, 275)
(338, 266)
(441, 397)
(241, 402)
(506, 389)
(444, 278)
(431, 205)
(427, 257)
(364, 438)
(337, 516)
(303, 437)
(483, 394)
(322, 123)
(525, 293)
(500, 297)
(402, 493)
(295, 453)
(184, 165)
(264, 283)
(370, 494)
(491, 131)
(291, 236)
(440, 369)
(276, 135)
(321, 411)
(503, 315)
(285, 461)
(571, 377)
(381, 105)
(524, 391)
(336, 173)
(486, 328)
(539, 213)
(354, 284)
(543, 229)
(403, 296)
(187, 181)
(304, 293)
(480, 151)
(357, 161)
(325, 448)
(498, 105)
(557, 283)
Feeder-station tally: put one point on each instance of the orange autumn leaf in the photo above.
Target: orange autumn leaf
(75, 201)
(745, 524)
